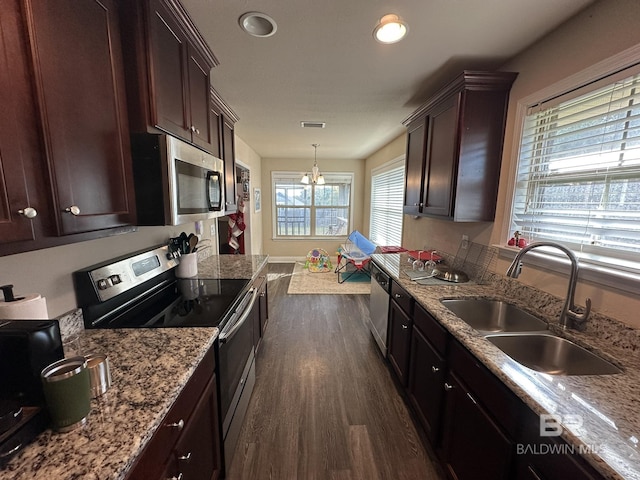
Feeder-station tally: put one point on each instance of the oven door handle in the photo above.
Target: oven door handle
(226, 336)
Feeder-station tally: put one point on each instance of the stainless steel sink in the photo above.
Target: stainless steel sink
(494, 315)
(550, 354)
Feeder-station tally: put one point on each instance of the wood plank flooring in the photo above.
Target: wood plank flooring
(324, 405)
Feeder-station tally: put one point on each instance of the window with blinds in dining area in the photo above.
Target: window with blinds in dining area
(387, 199)
(578, 175)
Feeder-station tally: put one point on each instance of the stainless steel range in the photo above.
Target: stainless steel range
(140, 290)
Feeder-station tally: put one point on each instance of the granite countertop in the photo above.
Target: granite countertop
(149, 368)
(609, 405)
(231, 266)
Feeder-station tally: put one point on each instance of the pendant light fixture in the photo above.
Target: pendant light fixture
(316, 177)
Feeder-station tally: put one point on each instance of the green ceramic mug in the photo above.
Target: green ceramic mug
(67, 392)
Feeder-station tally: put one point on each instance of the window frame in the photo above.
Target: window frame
(622, 276)
(295, 178)
(396, 163)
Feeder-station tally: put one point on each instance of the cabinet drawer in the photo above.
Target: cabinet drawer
(151, 461)
(431, 329)
(402, 298)
(497, 399)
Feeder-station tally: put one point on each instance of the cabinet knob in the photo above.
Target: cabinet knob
(434, 369)
(73, 210)
(195, 130)
(405, 326)
(28, 212)
(179, 425)
(397, 295)
(179, 477)
(185, 458)
(448, 387)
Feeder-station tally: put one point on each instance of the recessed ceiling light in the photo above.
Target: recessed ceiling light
(390, 29)
(258, 24)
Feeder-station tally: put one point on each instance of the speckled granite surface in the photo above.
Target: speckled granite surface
(231, 266)
(149, 368)
(609, 405)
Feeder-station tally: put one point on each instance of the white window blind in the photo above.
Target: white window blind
(578, 176)
(387, 198)
(312, 210)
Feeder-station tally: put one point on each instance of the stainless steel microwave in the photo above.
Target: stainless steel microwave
(175, 182)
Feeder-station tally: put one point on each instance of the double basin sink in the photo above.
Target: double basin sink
(526, 339)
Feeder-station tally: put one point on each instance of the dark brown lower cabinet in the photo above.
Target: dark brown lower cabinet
(399, 341)
(548, 458)
(426, 380)
(474, 447)
(187, 445)
(197, 453)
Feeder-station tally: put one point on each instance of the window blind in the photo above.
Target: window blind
(578, 176)
(387, 198)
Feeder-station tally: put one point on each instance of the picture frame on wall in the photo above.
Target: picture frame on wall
(257, 200)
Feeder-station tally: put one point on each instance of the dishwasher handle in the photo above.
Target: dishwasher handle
(226, 335)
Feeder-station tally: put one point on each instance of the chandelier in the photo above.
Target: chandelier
(316, 176)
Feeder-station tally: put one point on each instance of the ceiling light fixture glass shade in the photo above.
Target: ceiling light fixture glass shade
(316, 177)
(390, 29)
(258, 24)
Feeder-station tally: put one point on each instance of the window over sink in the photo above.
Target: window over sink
(306, 211)
(578, 173)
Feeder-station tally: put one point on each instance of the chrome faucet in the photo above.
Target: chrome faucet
(569, 317)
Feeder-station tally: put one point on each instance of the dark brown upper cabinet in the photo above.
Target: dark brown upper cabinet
(168, 67)
(454, 148)
(225, 120)
(79, 89)
(19, 144)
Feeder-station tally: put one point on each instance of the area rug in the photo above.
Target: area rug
(304, 282)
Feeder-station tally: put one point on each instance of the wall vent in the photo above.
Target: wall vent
(312, 124)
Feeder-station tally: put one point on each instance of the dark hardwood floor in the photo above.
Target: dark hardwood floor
(324, 405)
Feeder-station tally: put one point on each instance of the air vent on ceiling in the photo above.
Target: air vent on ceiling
(312, 124)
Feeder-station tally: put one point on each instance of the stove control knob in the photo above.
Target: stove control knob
(103, 284)
(115, 279)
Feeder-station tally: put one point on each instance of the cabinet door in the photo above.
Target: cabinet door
(16, 128)
(197, 453)
(169, 76)
(399, 341)
(229, 157)
(441, 159)
(427, 373)
(199, 101)
(216, 131)
(414, 170)
(474, 447)
(80, 90)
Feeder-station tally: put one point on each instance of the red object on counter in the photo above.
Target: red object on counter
(424, 255)
(392, 249)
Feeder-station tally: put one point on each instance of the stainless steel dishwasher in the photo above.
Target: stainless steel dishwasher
(379, 306)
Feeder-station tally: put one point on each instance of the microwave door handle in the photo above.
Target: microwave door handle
(225, 336)
(214, 176)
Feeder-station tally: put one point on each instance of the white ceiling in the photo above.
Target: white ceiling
(324, 65)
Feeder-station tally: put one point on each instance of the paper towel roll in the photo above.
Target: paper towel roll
(31, 307)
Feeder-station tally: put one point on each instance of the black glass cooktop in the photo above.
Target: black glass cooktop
(183, 303)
